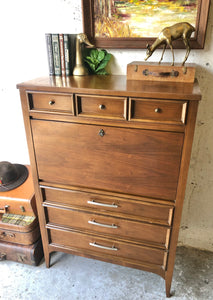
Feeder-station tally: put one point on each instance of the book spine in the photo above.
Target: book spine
(61, 43)
(48, 39)
(72, 39)
(67, 54)
(56, 54)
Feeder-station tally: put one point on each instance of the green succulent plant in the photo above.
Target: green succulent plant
(97, 60)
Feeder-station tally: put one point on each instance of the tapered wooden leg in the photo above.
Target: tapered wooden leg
(168, 282)
(47, 259)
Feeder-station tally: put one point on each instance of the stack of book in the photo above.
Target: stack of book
(60, 53)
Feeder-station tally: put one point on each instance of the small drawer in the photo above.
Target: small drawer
(95, 245)
(112, 226)
(51, 102)
(168, 112)
(150, 212)
(101, 107)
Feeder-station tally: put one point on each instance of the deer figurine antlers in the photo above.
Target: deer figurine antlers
(167, 35)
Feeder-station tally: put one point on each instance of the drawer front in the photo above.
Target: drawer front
(97, 245)
(101, 106)
(112, 226)
(172, 112)
(130, 161)
(51, 102)
(155, 213)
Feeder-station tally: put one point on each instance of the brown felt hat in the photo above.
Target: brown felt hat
(11, 175)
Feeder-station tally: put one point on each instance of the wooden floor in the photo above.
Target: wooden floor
(78, 278)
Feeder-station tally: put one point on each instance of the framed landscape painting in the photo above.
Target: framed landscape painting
(134, 23)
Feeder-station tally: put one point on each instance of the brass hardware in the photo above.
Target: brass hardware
(102, 225)
(22, 208)
(5, 234)
(146, 72)
(157, 110)
(174, 73)
(52, 102)
(102, 106)
(168, 35)
(21, 257)
(2, 256)
(4, 210)
(103, 247)
(101, 132)
(93, 202)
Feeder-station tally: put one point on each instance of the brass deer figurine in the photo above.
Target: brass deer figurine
(79, 68)
(167, 35)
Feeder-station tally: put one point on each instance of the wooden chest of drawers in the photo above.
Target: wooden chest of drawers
(110, 159)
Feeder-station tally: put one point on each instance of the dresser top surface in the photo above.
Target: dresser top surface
(114, 84)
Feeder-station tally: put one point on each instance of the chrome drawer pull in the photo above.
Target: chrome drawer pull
(93, 202)
(102, 225)
(157, 110)
(103, 247)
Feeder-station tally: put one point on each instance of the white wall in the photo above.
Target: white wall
(23, 56)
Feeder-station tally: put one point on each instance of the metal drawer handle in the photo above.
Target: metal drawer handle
(52, 102)
(102, 225)
(93, 202)
(173, 73)
(102, 106)
(4, 210)
(157, 110)
(103, 247)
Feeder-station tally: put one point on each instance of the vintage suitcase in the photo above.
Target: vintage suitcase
(21, 200)
(30, 255)
(18, 215)
(20, 239)
(19, 229)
